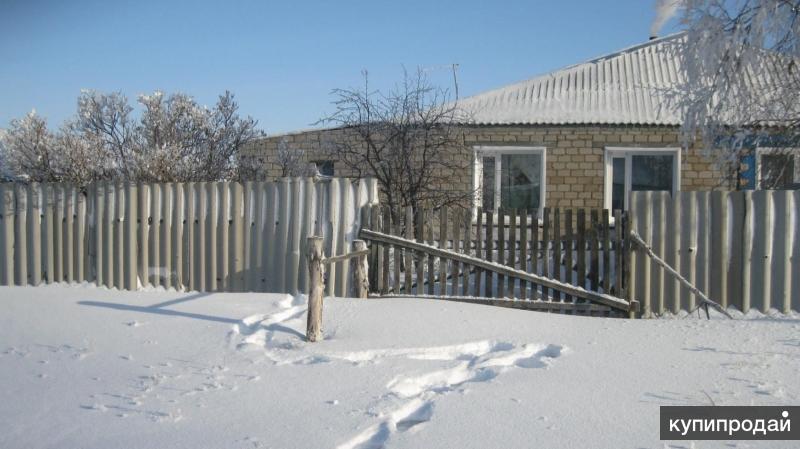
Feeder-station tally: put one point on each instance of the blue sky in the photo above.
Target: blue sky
(282, 59)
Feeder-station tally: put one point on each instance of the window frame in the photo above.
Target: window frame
(628, 152)
(760, 151)
(481, 151)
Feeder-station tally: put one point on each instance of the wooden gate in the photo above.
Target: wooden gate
(561, 262)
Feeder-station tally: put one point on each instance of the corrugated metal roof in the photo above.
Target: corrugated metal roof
(626, 87)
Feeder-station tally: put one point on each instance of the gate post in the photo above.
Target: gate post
(315, 287)
(360, 278)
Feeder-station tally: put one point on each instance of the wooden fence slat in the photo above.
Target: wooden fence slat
(224, 235)
(131, 280)
(794, 261)
(237, 239)
(557, 251)
(501, 251)
(443, 245)
(546, 266)
(178, 220)
(21, 234)
(618, 252)
(48, 247)
(535, 252)
(387, 229)
(409, 258)
(34, 231)
(761, 236)
(489, 276)
(203, 200)
(687, 237)
(719, 251)
(119, 236)
(672, 251)
(69, 234)
(165, 237)
(154, 238)
(454, 265)
(594, 248)
(7, 232)
(569, 241)
(190, 204)
(144, 233)
(701, 243)
(581, 246)
(523, 251)
(420, 218)
(467, 249)
(512, 250)
(431, 259)
(606, 248)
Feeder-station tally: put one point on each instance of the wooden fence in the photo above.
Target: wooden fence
(741, 248)
(221, 236)
(577, 247)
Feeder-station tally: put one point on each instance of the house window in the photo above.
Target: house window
(324, 168)
(778, 168)
(510, 177)
(635, 169)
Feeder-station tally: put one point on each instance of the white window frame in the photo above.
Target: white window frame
(627, 153)
(760, 151)
(497, 151)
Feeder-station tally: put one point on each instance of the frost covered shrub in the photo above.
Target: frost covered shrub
(173, 140)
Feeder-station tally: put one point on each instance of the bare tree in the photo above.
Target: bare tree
(29, 150)
(408, 139)
(291, 160)
(741, 80)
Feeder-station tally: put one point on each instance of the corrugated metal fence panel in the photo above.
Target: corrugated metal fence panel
(741, 248)
(194, 236)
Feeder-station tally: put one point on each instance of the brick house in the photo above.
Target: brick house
(582, 136)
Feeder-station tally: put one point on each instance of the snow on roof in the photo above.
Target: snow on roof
(625, 87)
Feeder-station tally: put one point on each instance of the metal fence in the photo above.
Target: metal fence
(220, 236)
(741, 248)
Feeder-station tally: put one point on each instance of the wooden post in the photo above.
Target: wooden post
(361, 281)
(315, 288)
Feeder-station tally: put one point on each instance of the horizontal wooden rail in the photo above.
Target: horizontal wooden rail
(579, 292)
(342, 257)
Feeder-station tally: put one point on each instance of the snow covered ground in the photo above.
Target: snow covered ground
(85, 367)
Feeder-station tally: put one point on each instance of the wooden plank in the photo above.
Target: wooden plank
(154, 274)
(7, 232)
(489, 275)
(48, 246)
(550, 283)
(501, 251)
(131, 274)
(100, 234)
(761, 236)
(387, 229)
(512, 251)
(21, 234)
(467, 249)
(270, 224)
(431, 260)
(606, 248)
(237, 239)
(618, 252)
(719, 248)
(108, 217)
(594, 248)
(443, 245)
(702, 243)
(398, 261)
(568, 248)
(780, 271)
(672, 251)
(144, 233)
(34, 231)
(224, 236)
(420, 233)
(546, 266)
(201, 253)
(189, 235)
(523, 251)
(557, 251)
(794, 269)
(626, 260)
(454, 265)
(119, 236)
(641, 208)
(177, 235)
(585, 308)
(409, 258)
(687, 252)
(248, 224)
(69, 234)
(165, 255)
(333, 222)
(535, 246)
(259, 235)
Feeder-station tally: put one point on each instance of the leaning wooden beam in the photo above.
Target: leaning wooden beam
(704, 300)
(608, 300)
(550, 306)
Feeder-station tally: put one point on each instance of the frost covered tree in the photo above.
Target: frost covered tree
(741, 86)
(173, 140)
(405, 138)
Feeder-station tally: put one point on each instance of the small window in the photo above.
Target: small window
(324, 168)
(510, 177)
(778, 168)
(636, 169)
